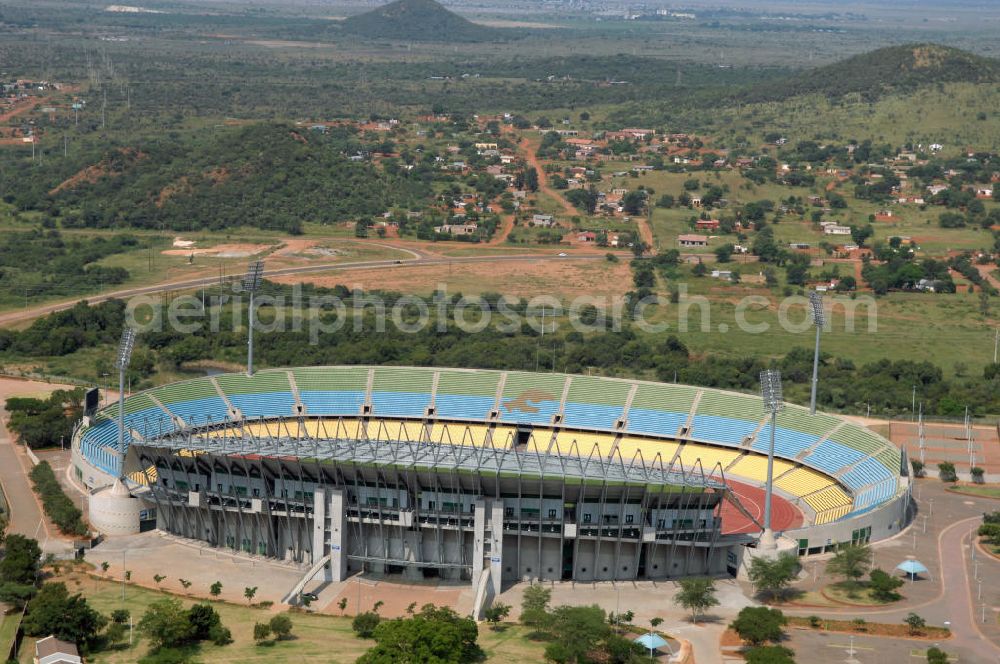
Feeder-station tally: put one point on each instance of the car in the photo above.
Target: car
(312, 597)
(399, 262)
(563, 254)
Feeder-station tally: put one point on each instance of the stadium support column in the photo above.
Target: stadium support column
(251, 284)
(121, 363)
(329, 519)
(770, 388)
(487, 556)
(816, 301)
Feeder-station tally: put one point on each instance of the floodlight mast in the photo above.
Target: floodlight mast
(121, 363)
(770, 391)
(816, 301)
(251, 284)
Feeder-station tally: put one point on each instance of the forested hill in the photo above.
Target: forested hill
(886, 70)
(418, 20)
(265, 175)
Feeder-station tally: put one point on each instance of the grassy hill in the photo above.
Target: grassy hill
(417, 20)
(886, 70)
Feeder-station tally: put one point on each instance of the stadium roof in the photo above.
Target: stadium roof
(437, 457)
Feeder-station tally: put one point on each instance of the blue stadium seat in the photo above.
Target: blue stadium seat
(400, 404)
(463, 406)
(591, 415)
(332, 402)
(721, 430)
(644, 420)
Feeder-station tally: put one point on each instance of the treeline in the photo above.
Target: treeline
(45, 422)
(884, 387)
(44, 262)
(58, 506)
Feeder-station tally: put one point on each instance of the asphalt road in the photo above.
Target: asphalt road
(188, 284)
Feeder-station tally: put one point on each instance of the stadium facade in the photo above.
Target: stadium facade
(487, 476)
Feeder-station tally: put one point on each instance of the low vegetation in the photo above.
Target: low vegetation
(58, 506)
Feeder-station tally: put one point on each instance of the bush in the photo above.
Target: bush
(261, 632)
(936, 656)
(364, 624)
(860, 624)
(814, 621)
(977, 474)
(757, 625)
(946, 471)
(918, 467)
(769, 655)
(883, 586)
(56, 503)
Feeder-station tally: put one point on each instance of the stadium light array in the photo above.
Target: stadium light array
(816, 301)
(122, 360)
(770, 390)
(251, 284)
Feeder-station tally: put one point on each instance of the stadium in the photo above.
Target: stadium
(484, 476)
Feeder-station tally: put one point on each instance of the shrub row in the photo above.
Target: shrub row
(57, 504)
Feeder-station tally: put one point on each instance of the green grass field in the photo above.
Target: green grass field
(316, 637)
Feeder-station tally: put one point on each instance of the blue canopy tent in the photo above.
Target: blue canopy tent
(652, 642)
(912, 568)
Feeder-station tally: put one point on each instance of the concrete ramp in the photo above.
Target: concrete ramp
(292, 598)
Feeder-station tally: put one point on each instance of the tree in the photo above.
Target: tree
(342, 605)
(724, 252)
(250, 592)
(883, 586)
(185, 583)
(769, 655)
(915, 623)
(215, 589)
(158, 578)
(261, 632)
(771, 576)
(496, 613)
(378, 605)
(531, 179)
(535, 604)
(115, 633)
(120, 616)
(165, 623)
(696, 594)
(104, 567)
(434, 634)
(69, 617)
(757, 625)
(577, 631)
(849, 562)
(202, 618)
(21, 560)
(364, 624)
(281, 626)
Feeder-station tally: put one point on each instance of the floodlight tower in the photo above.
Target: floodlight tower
(816, 300)
(121, 363)
(251, 284)
(770, 390)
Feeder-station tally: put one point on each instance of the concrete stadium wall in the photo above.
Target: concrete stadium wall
(886, 521)
(92, 476)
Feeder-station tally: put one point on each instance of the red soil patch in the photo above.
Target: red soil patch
(102, 169)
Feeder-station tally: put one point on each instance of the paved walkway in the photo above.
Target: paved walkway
(950, 595)
(26, 516)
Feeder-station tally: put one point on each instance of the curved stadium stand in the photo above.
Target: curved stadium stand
(832, 467)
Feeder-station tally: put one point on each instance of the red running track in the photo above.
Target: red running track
(784, 515)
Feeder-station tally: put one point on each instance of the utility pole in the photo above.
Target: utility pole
(996, 343)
